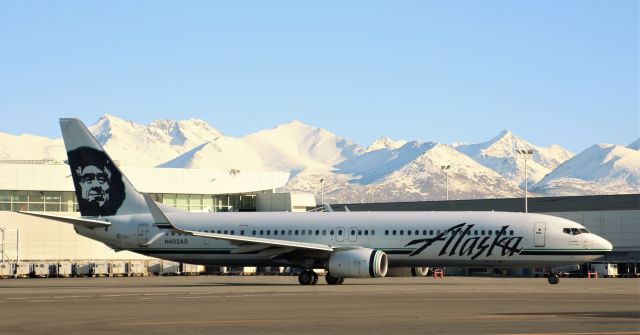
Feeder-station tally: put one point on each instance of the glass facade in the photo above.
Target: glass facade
(49, 201)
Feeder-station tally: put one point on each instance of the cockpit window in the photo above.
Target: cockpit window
(575, 231)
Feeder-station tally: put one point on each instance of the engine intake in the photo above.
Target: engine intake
(358, 263)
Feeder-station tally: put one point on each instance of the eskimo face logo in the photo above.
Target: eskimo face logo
(98, 184)
(459, 241)
(94, 183)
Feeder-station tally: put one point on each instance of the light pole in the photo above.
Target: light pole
(445, 168)
(526, 153)
(322, 192)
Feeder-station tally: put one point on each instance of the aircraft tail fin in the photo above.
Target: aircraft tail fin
(100, 186)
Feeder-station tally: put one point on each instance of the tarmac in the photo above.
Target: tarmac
(278, 305)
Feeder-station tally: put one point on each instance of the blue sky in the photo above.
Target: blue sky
(561, 72)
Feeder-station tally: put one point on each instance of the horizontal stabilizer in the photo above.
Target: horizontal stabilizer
(89, 223)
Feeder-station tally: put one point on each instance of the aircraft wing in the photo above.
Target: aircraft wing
(246, 243)
(89, 223)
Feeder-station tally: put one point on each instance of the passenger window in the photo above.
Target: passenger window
(430, 232)
(232, 232)
(317, 232)
(219, 231)
(482, 232)
(275, 232)
(366, 233)
(268, 232)
(310, 232)
(242, 232)
(339, 231)
(331, 232)
(282, 232)
(424, 232)
(475, 232)
(394, 232)
(253, 233)
(373, 232)
(225, 232)
(261, 232)
(296, 232)
(353, 232)
(386, 232)
(417, 232)
(408, 232)
(359, 232)
(302, 232)
(489, 232)
(511, 232)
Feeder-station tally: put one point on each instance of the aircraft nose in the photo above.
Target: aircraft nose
(606, 245)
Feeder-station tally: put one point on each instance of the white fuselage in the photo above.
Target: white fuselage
(466, 239)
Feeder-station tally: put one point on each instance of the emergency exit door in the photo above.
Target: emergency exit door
(143, 230)
(539, 234)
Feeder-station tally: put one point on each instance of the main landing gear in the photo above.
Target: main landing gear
(309, 277)
(553, 279)
(331, 280)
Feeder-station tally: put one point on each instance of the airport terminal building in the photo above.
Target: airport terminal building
(47, 186)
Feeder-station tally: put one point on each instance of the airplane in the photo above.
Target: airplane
(345, 244)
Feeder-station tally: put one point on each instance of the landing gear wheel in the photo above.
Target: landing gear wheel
(331, 280)
(553, 279)
(308, 277)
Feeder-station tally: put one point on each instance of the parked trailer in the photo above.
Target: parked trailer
(100, 269)
(605, 270)
(64, 269)
(170, 268)
(41, 269)
(137, 268)
(22, 270)
(118, 269)
(83, 269)
(155, 267)
(190, 269)
(6, 270)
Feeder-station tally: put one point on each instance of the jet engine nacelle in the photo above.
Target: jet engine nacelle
(358, 263)
(408, 272)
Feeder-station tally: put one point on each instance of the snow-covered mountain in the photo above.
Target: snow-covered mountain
(635, 145)
(299, 147)
(601, 169)
(385, 143)
(153, 144)
(387, 170)
(27, 147)
(499, 154)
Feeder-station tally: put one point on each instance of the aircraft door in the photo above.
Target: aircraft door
(352, 234)
(539, 234)
(339, 234)
(143, 231)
